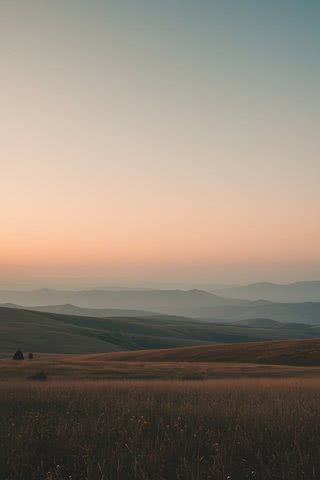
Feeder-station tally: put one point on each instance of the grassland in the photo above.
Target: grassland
(289, 352)
(161, 430)
(252, 360)
(100, 367)
(123, 416)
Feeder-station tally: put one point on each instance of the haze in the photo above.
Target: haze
(159, 141)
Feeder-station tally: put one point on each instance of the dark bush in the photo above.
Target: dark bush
(18, 355)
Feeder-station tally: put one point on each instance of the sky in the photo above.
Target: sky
(159, 141)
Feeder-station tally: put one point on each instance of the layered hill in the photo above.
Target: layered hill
(268, 323)
(292, 292)
(306, 312)
(262, 323)
(190, 303)
(162, 301)
(291, 352)
(57, 333)
(69, 309)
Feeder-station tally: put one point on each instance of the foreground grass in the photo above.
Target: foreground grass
(101, 367)
(161, 430)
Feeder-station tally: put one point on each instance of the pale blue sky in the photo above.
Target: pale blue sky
(189, 127)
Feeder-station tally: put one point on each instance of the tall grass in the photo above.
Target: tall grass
(187, 430)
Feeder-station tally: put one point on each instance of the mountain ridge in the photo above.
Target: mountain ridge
(188, 303)
(303, 291)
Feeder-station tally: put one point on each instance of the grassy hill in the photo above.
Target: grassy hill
(56, 333)
(291, 352)
(50, 332)
(260, 323)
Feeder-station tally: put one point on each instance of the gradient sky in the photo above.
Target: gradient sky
(159, 140)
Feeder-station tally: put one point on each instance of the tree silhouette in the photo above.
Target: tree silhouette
(18, 355)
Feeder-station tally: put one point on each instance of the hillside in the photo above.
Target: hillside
(307, 312)
(56, 333)
(268, 323)
(261, 323)
(291, 352)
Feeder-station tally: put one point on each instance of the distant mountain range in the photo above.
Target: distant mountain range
(197, 304)
(292, 292)
(69, 309)
(306, 312)
(164, 301)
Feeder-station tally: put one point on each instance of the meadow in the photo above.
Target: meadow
(232, 429)
(142, 365)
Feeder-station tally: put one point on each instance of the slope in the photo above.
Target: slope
(56, 333)
(291, 352)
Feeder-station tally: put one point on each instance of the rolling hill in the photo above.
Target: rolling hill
(306, 312)
(57, 333)
(261, 323)
(268, 323)
(292, 292)
(69, 309)
(291, 352)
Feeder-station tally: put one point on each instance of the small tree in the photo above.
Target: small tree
(30, 356)
(18, 355)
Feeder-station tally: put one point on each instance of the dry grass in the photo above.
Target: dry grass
(100, 367)
(288, 352)
(267, 429)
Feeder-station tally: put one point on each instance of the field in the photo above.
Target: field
(163, 415)
(153, 365)
(267, 429)
(288, 352)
